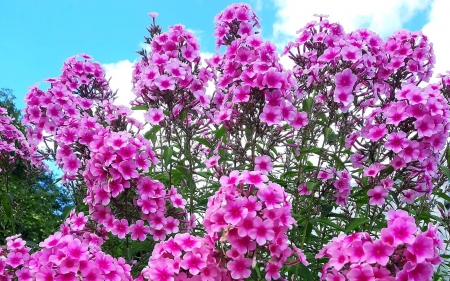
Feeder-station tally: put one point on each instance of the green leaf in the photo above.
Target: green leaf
(355, 223)
(32, 244)
(311, 184)
(7, 206)
(66, 211)
(140, 107)
(446, 171)
(329, 223)
(307, 104)
(204, 142)
(219, 133)
(339, 164)
(168, 151)
(326, 132)
(443, 196)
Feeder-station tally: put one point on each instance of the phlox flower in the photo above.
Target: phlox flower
(373, 170)
(262, 231)
(120, 228)
(254, 177)
(345, 80)
(396, 141)
(154, 116)
(271, 115)
(422, 248)
(139, 230)
(376, 132)
(300, 120)
(235, 212)
(263, 164)
(343, 96)
(378, 252)
(232, 179)
(425, 126)
(363, 272)
(377, 195)
(239, 268)
(193, 262)
(303, 190)
(272, 195)
(338, 258)
(213, 161)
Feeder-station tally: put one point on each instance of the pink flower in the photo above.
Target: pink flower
(345, 80)
(193, 262)
(139, 230)
(154, 116)
(377, 195)
(263, 164)
(273, 78)
(396, 141)
(255, 178)
(262, 231)
(300, 120)
(271, 115)
(239, 268)
(422, 248)
(235, 212)
(373, 170)
(378, 251)
(376, 132)
(120, 228)
(364, 272)
(165, 82)
(213, 161)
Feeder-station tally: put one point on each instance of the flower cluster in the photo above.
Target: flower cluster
(250, 217)
(393, 126)
(69, 254)
(401, 253)
(170, 78)
(235, 21)
(184, 257)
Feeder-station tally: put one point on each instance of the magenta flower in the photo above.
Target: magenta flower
(262, 231)
(193, 262)
(235, 212)
(255, 178)
(422, 248)
(154, 116)
(378, 251)
(396, 141)
(345, 80)
(263, 164)
(211, 162)
(239, 268)
(377, 195)
(300, 120)
(271, 115)
(120, 228)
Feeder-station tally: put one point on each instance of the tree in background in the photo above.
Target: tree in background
(31, 201)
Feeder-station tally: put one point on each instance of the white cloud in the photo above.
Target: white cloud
(120, 74)
(437, 31)
(382, 16)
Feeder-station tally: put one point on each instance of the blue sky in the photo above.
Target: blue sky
(37, 36)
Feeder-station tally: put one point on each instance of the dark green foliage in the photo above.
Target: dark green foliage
(32, 203)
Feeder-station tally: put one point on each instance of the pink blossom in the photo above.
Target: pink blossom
(263, 164)
(239, 268)
(154, 116)
(377, 195)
